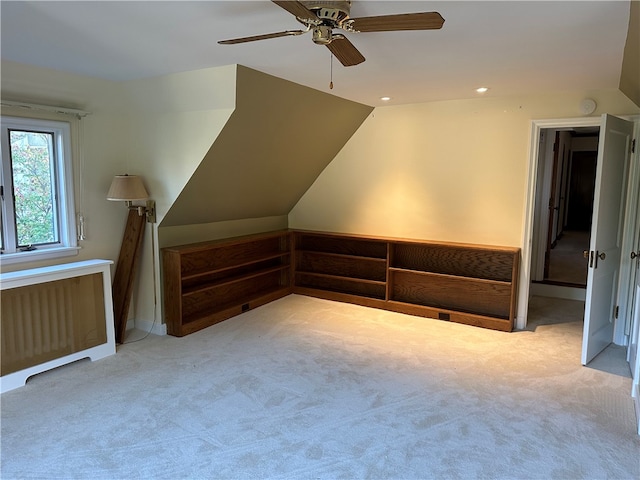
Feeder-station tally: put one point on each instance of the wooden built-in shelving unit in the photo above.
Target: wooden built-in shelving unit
(209, 282)
(470, 284)
(205, 283)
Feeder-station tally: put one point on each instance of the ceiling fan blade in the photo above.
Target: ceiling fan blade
(403, 21)
(297, 9)
(345, 52)
(286, 33)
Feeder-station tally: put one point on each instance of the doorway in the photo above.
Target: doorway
(564, 205)
(531, 270)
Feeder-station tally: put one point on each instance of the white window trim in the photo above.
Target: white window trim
(37, 255)
(68, 244)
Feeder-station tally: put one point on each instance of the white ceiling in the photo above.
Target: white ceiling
(513, 47)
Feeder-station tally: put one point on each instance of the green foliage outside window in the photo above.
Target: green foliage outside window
(31, 154)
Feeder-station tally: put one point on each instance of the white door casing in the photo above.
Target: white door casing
(606, 235)
(630, 248)
(634, 353)
(632, 254)
(528, 245)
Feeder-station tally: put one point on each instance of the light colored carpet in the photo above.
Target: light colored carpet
(567, 264)
(304, 388)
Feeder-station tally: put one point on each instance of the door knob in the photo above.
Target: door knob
(634, 255)
(585, 254)
(602, 256)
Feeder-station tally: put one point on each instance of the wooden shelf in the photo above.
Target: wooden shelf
(341, 284)
(472, 284)
(341, 265)
(356, 246)
(249, 262)
(231, 280)
(208, 282)
(446, 276)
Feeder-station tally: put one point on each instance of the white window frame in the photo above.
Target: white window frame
(68, 243)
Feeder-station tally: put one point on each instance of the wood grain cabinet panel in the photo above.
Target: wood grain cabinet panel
(465, 294)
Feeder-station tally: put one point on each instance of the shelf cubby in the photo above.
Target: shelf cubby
(341, 284)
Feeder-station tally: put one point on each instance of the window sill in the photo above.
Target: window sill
(36, 255)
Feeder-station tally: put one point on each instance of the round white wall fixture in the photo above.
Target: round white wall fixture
(587, 106)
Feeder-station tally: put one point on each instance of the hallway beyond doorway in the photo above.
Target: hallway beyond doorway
(567, 265)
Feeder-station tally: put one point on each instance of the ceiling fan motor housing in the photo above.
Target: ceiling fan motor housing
(330, 13)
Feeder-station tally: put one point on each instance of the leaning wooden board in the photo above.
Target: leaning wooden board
(126, 271)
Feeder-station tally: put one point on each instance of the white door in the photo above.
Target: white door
(614, 148)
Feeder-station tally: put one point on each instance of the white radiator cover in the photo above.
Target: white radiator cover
(43, 329)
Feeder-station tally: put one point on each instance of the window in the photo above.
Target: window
(38, 214)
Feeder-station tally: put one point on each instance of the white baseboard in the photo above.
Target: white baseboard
(155, 328)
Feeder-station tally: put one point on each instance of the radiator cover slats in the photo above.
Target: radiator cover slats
(49, 320)
(45, 324)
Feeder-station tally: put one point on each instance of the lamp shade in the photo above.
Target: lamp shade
(126, 188)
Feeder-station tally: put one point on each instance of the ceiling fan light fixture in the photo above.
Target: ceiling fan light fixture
(322, 35)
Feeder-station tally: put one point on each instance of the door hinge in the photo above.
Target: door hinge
(633, 146)
(616, 312)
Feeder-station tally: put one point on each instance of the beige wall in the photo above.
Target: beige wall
(268, 153)
(449, 171)
(159, 128)
(101, 148)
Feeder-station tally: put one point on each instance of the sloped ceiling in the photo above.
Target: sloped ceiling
(274, 146)
(630, 75)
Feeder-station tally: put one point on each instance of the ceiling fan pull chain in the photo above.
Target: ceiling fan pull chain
(331, 73)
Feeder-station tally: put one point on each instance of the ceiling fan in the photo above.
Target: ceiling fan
(322, 17)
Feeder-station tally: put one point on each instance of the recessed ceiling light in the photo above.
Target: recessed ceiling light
(482, 89)
(385, 99)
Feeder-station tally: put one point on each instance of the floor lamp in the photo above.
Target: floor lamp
(128, 189)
